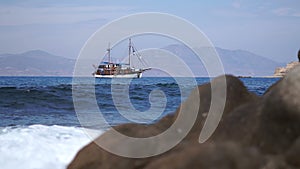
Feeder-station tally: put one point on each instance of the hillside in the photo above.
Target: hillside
(35, 63)
(236, 62)
(41, 63)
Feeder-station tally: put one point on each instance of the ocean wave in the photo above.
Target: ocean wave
(40, 146)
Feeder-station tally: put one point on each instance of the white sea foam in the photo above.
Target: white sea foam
(40, 147)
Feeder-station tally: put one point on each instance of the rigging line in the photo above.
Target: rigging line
(139, 56)
(105, 54)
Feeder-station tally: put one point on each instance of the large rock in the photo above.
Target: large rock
(280, 118)
(225, 155)
(271, 123)
(92, 156)
(293, 154)
(254, 132)
(236, 95)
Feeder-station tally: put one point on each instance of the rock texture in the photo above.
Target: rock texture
(254, 132)
(282, 71)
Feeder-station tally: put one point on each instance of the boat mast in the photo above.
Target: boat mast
(108, 53)
(109, 59)
(129, 51)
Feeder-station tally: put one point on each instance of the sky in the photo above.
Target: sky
(269, 28)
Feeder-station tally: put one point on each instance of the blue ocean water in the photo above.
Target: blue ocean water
(26, 101)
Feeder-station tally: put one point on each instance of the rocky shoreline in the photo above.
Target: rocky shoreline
(282, 71)
(255, 132)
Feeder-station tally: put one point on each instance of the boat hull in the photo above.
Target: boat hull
(132, 75)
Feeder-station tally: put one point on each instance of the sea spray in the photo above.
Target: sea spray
(40, 146)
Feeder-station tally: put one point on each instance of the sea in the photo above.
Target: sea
(41, 129)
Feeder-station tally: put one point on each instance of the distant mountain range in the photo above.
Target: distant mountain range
(235, 62)
(240, 62)
(41, 63)
(35, 63)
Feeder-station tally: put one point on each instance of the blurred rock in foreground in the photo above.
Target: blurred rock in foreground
(254, 132)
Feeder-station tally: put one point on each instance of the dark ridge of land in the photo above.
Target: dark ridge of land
(41, 63)
(35, 63)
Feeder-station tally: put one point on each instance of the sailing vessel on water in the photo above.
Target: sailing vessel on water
(110, 69)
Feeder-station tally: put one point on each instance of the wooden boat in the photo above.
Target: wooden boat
(120, 70)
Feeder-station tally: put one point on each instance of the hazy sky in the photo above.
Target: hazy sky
(268, 28)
